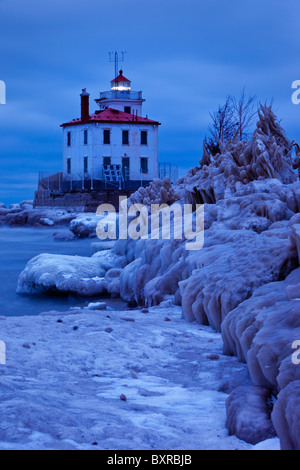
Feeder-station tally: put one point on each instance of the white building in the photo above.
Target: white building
(115, 145)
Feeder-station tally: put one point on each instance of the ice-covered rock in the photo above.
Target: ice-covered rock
(46, 221)
(228, 270)
(248, 416)
(96, 306)
(26, 205)
(158, 192)
(24, 214)
(15, 207)
(62, 274)
(63, 235)
(77, 275)
(286, 416)
(84, 225)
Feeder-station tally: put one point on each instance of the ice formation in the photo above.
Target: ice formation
(244, 282)
(64, 274)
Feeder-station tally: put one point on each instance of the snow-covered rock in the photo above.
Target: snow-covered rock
(248, 416)
(62, 274)
(96, 306)
(158, 192)
(77, 275)
(286, 415)
(84, 225)
(24, 215)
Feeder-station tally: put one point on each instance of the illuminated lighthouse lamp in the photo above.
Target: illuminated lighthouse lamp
(120, 83)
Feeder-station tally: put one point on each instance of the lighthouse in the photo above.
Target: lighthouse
(113, 147)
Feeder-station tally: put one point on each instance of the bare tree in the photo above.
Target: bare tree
(244, 111)
(232, 120)
(221, 127)
(222, 124)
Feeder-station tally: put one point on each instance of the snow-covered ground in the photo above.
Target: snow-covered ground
(104, 379)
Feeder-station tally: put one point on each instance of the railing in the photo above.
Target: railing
(117, 94)
(168, 170)
(59, 183)
(49, 181)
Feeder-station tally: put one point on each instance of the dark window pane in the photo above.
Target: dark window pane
(144, 138)
(144, 165)
(127, 109)
(85, 137)
(106, 160)
(125, 137)
(106, 136)
(68, 165)
(69, 139)
(85, 164)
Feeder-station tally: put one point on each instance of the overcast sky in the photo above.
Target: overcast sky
(186, 57)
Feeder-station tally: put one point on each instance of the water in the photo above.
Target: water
(17, 247)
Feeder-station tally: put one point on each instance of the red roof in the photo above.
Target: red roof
(111, 115)
(120, 78)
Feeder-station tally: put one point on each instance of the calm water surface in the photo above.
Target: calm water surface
(17, 247)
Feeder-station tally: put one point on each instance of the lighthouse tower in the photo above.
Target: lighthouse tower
(121, 97)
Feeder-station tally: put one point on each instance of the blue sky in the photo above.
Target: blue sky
(186, 57)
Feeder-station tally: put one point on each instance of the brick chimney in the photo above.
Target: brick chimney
(85, 100)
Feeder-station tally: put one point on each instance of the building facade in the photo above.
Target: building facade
(116, 144)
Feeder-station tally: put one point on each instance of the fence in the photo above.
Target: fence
(168, 170)
(113, 177)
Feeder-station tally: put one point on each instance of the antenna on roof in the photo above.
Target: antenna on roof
(114, 57)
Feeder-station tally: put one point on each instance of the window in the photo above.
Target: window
(144, 138)
(69, 139)
(68, 165)
(106, 136)
(125, 137)
(106, 160)
(125, 168)
(127, 109)
(85, 137)
(85, 164)
(144, 165)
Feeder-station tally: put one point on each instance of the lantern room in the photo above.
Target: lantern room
(121, 83)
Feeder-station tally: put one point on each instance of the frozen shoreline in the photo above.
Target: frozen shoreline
(65, 373)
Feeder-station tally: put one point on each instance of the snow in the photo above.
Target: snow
(61, 386)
